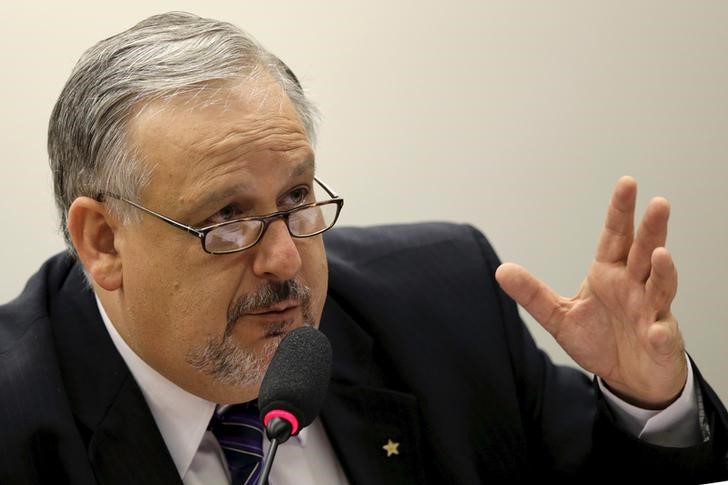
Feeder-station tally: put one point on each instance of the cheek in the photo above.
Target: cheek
(315, 274)
(178, 323)
(177, 298)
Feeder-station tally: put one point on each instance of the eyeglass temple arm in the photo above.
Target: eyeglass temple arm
(328, 189)
(166, 219)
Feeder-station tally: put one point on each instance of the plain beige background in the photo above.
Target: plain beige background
(515, 116)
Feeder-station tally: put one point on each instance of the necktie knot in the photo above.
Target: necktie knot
(239, 431)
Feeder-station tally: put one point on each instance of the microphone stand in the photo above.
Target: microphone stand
(278, 431)
(268, 462)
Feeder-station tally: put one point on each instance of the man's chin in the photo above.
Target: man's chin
(232, 368)
(235, 395)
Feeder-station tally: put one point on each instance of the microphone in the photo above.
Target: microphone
(294, 387)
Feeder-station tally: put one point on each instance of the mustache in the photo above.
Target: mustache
(271, 293)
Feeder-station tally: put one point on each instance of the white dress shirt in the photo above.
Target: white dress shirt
(309, 459)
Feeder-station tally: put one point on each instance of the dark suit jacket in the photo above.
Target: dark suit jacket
(428, 352)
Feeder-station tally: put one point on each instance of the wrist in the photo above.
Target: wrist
(650, 395)
(648, 403)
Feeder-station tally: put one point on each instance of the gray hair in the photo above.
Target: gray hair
(161, 57)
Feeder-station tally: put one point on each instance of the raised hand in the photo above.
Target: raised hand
(619, 325)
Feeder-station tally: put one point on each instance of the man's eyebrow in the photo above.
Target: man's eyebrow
(303, 168)
(307, 166)
(213, 198)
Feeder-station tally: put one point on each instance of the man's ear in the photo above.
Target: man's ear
(93, 230)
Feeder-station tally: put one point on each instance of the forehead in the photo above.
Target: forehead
(214, 113)
(227, 132)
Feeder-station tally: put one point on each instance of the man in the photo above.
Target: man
(116, 359)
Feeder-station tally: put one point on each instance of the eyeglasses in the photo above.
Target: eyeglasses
(240, 234)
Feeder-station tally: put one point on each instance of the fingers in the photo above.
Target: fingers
(661, 286)
(651, 234)
(618, 231)
(532, 294)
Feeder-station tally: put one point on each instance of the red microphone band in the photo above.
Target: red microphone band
(285, 415)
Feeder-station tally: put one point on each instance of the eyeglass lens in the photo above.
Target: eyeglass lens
(301, 223)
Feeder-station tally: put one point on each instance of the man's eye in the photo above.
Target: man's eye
(227, 213)
(297, 197)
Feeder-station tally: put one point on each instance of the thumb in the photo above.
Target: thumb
(532, 294)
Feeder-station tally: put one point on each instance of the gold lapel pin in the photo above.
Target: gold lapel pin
(392, 448)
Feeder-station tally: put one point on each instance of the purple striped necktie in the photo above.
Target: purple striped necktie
(239, 431)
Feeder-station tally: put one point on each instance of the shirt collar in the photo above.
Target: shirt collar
(182, 417)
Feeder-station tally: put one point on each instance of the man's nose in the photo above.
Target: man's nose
(276, 255)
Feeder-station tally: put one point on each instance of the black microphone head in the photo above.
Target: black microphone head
(297, 377)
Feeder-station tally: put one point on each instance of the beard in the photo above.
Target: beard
(229, 363)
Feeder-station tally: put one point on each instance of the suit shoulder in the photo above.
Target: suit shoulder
(31, 370)
(357, 245)
(18, 316)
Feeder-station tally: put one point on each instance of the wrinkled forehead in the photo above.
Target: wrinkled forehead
(247, 111)
(222, 130)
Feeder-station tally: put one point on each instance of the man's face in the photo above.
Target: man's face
(210, 323)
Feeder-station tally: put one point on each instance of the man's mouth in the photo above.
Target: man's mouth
(277, 320)
(278, 309)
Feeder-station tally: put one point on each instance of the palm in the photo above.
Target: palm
(619, 324)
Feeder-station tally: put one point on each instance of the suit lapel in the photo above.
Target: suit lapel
(362, 417)
(127, 447)
(124, 444)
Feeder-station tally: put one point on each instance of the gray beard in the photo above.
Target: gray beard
(228, 363)
(223, 359)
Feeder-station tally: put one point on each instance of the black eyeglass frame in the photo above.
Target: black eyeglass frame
(202, 232)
